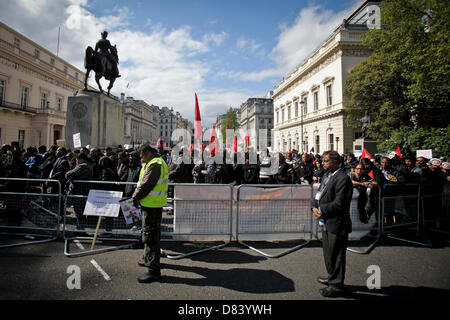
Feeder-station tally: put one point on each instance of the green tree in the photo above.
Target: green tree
(403, 86)
(232, 121)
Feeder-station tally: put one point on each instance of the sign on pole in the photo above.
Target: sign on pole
(77, 140)
(103, 203)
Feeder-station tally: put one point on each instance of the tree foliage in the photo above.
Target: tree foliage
(232, 121)
(403, 86)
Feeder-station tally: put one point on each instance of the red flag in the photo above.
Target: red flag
(159, 142)
(235, 144)
(165, 144)
(371, 174)
(212, 144)
(399, 154)
(198, 122)
(366, 154)
(247, 138)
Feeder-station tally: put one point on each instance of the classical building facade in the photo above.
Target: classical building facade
(34, 87)
(256, 114)
(309, 102)
(140, 121)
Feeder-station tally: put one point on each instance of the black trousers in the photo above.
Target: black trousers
(334, 253)
(151, 236)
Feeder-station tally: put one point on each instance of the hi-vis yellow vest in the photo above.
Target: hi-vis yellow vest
(157, 198)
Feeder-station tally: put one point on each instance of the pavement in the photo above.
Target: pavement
(43, 272)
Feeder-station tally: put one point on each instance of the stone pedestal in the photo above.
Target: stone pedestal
(98, 118)
(364, 143)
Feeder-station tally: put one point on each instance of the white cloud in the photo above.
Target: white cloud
(295, 42)
(160, 65)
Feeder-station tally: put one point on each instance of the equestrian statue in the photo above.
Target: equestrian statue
(103, 61)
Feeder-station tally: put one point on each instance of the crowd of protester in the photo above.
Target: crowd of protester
(124, 165)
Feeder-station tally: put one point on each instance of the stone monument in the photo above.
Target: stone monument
(97, 117)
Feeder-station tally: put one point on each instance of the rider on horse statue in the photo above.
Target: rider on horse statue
(108, 51)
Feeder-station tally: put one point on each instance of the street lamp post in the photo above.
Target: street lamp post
(302, 103)
(337, 145)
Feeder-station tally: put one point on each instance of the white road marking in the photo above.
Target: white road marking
(99, 269)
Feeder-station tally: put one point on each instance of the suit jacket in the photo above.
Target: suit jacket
(334, 203)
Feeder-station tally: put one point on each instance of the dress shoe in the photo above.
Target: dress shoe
(322, 280)
(149, 277)
(331, 292)
(141, 262)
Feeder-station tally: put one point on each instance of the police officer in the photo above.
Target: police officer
(151, 196)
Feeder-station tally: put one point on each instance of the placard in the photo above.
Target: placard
(424, 153)
(77, 140)
(103, 203)
(131, 214)
(61, 143)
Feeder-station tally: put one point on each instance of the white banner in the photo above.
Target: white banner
(103, 203)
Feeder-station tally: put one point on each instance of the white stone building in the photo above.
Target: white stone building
(318, 82)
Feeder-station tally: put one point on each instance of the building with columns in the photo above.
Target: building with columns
(34, 87)
(309, 102)
(140, 121)
(256, 114)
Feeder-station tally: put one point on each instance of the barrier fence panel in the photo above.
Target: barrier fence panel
(202, 212)
(27, 212)
(81, 228)
(435, 207)
(362, 224)
(401, 207)
(268, 211)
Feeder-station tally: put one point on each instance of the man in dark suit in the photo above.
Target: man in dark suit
(332, 204)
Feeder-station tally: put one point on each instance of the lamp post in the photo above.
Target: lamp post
(337, 145)
(302, 103)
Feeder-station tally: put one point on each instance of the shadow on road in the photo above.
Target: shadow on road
(243, 280)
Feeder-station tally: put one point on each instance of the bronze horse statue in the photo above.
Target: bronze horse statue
(100, 64)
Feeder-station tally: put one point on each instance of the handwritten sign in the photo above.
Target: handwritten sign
(103, 203)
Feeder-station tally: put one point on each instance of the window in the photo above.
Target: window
(21, 139)
(59, 104)
(24, 97)
(316, 100)
(305, 105)
(317, 145)
(16, 43)
(52, 62)
(282, 115)
(289, 112)
(36, 53)
(296, 109)
(2, 90)
(329, 95)
(65, 69)
(331, 141)
(43, 100)
(278, 116)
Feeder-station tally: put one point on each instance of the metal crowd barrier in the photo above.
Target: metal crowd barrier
(202, 212)
(27, 212)
(401, 210)
(435, 207)
(79, 228)
(371, 228)
(281, 210)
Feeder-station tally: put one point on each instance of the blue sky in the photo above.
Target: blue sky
(225, 51)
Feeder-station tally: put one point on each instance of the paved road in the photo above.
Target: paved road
(234, 272)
